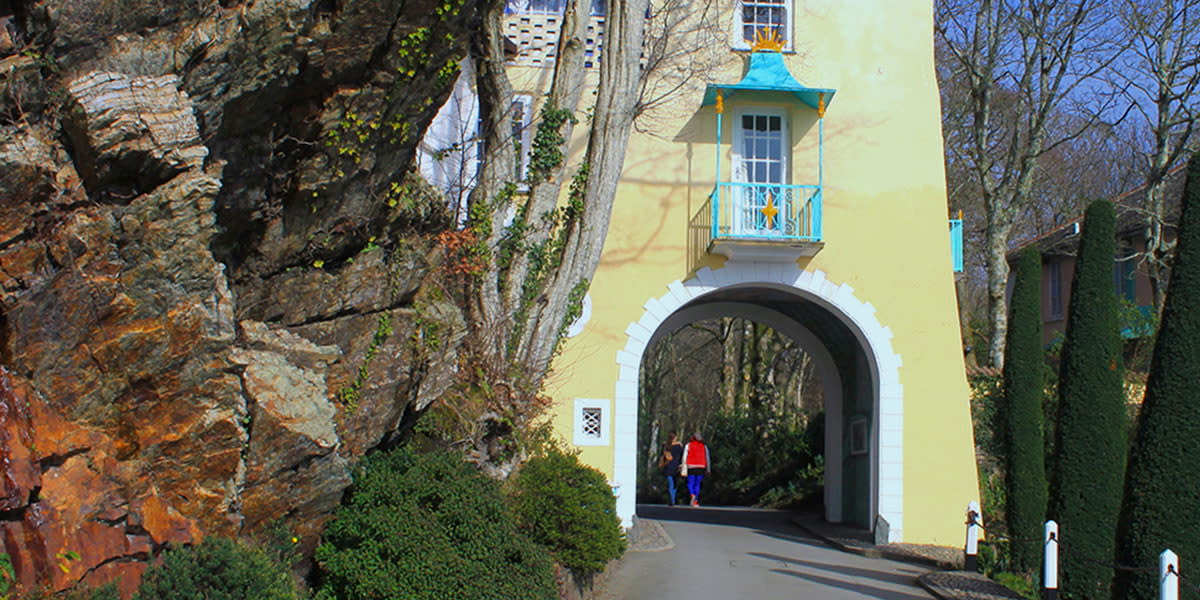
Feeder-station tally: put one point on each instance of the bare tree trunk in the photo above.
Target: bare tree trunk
(1160, 81)
(1020, 60)
(535, 257)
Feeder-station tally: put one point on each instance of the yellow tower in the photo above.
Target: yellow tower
(819, 210)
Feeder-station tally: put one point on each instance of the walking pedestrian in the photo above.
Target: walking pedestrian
(696, 464)
(672, 456)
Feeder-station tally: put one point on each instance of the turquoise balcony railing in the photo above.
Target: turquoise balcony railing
(766, 211)
(762, 214)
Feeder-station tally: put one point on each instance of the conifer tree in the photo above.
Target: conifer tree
(1023, 388)
(1092, 435)
(1161, 500)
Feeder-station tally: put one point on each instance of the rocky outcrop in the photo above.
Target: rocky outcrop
(211, 269)
(139, 126)
(293, 469)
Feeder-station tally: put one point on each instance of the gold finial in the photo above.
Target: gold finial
(720, 102)
(767, 39)
(820, 105)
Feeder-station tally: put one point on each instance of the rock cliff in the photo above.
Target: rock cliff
(211, 266)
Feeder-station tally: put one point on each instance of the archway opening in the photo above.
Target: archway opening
(842, 375)
(755, 395)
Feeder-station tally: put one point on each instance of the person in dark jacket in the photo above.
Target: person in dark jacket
(696, 464)
(669, 462)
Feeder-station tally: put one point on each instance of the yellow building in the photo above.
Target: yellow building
(801, 187)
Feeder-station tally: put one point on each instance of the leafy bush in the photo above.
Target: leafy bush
(569, 508)
(755, 452)
(216, 569)
(428, 527)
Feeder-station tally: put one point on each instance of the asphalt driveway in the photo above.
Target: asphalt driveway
(734, 552)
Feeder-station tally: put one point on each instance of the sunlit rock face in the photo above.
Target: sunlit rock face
(191, 277)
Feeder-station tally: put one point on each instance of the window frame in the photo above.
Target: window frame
(1054, 295)
(739, 139)
(738, 33)
(1125, 277)
(526, 102)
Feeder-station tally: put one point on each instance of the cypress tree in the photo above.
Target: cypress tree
(1092, 434)
(1161, 498)
(1023, 388)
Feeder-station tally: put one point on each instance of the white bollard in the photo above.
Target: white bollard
(1168, 576)
(1050, 561)
(974, 524)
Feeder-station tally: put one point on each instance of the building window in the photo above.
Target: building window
(591, 422)
(522, 107)
(1126, 285)
(761, 159)
(762, 17)
(1054, 285)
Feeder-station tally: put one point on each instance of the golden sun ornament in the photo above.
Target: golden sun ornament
(767, 39)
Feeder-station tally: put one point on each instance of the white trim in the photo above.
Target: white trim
(600, 438)
(887, 483)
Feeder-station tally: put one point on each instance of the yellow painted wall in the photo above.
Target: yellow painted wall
(885, 228)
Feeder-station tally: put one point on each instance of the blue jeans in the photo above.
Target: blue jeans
(671, 490)
(694, 484)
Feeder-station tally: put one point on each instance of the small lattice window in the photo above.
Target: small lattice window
(592, 425)
(591, 422)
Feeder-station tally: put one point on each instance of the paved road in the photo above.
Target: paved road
(735, 553)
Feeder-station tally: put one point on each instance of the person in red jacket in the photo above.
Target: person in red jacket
(696, 465)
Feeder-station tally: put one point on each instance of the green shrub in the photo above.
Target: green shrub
(1092, 433)
(754, 452)
(569, 508)
(428, 526)
(1022, 418)
(1160, 496)
(216, 569)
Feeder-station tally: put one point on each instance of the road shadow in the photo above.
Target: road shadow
(874, 592)
(902, 575)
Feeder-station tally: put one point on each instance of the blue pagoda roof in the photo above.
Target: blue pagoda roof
(768, 73)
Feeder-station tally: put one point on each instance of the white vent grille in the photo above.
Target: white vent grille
(591, 422)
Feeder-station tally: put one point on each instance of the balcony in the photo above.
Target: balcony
(769, 112)
(759, 221)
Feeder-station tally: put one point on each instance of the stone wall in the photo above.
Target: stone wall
(204, 243)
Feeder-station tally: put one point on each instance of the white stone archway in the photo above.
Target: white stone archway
(887, 482)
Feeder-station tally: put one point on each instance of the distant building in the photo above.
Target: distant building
(1060, 247)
